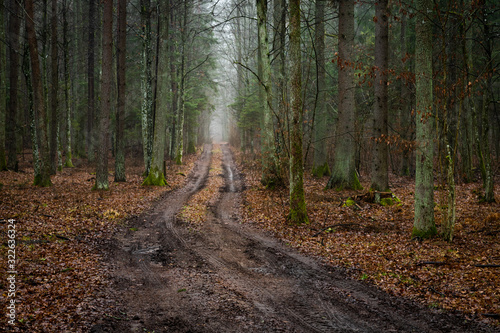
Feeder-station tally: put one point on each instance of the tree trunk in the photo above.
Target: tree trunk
(31, 111)
(379, 173)
(3, 92)
(488, 102)
(101, 178)
(121, 96)
(67, 87)
(424, 225)
(179, 130)
(54, 89)
(156, 176)
(298, 212)
(343, 171)
(39, 101)
(320, 165)
(280, 95)
(11, 128)
(91, 82)
(146, 86)
(405, 103)
(269, 171)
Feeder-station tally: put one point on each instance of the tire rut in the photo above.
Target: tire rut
(230, 277)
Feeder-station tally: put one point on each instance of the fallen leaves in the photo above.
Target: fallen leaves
(60, 274)
(373, 242)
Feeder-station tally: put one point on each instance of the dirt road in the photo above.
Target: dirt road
(228, 277)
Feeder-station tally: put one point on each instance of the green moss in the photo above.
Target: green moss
(349, 202)
(424, 234)
(155, 178)
(68, 163)
(386, 202)
(41, 181)
(322, 170)
(191, 147)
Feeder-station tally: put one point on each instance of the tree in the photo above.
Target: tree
(424, 225)
(380, 176)
(146, 86)
(54, 90)
(11, 129)
(343, 171)
(67, 86)
(269, 165)
(320, 166)
(156, 175)
(121, 97)
(3, 91)
(39, 100)
(101, 178)
(90, 81)
(298, 211)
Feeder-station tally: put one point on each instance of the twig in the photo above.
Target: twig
(437, 263)
(487, 265)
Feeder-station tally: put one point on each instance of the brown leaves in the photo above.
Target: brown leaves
(374, 242)
(60, 272)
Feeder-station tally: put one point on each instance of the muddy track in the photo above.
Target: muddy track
(228, 277)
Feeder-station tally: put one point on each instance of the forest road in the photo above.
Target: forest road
(231, 277)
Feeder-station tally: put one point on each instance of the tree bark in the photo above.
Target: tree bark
(320, 165)
(11, 126)
(298, 211)
(101, 179)
(379, 173)
(67, 87)
(146, 86)
(91, 82)
(3, 92)
(424, 225)
(121, 96)
(343, 170)
(39, 101)
(156, 176)
(54, 89)
(269, 170)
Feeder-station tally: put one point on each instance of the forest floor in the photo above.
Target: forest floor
(214, 253)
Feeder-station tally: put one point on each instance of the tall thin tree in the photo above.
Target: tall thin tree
(298, 211)
(11, 126)
(91, 81)
(343, 170)
(39, 100)
(424, 225)
(54, 90)
(269, 172)
(3, 92)
(121, 96)
(156, 174)
(101, 178)
(320, 166)
(379, 173)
